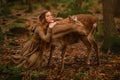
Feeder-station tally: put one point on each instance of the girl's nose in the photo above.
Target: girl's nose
(51, 17)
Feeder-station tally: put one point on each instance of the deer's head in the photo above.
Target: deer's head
(74, 19)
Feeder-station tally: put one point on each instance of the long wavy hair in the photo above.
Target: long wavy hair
(43, 21)
(42, 16)
(44, 25)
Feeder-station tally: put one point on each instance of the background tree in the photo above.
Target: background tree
(116, 8)
(30, 6)
(108, 26)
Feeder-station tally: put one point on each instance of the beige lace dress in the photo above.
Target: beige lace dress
(31, 54)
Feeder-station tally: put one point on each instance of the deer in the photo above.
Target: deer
(87, 24)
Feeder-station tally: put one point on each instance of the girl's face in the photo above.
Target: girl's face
(49, 17)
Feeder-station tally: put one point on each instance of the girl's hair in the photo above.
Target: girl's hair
(42, 16)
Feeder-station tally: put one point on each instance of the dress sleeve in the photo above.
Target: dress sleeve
(43, 36)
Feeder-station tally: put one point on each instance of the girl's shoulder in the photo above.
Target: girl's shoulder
(33, 27)
(38, 28)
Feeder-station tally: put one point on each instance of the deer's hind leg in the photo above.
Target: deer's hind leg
(95, 46)
(87, 43)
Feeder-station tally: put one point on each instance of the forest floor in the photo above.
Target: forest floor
(75, 67)
(75, 59)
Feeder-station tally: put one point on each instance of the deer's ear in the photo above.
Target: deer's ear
(75, 18)
(70, 18)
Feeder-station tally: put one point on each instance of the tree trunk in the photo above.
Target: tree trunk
(108, 26)
(2, 2)
(30, 6)
(116, 8)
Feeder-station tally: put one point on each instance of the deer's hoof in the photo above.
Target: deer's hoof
(60, 72)
(88, 62)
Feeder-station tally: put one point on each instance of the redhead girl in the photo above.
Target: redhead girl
(31, 55)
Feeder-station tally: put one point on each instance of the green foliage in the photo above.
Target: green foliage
(115, 44)
(5, 11)
(99, 32)
(15, 28)
(13, 43)
(112, 44)
(78, 76)
(87, 4)
(11, 73)
(84, 76)
(36, 75)
(100, 1)
(97, 10)
(116, 76)
(36, 6)
(62, 1)
(70, 12)
(18, 6)
(21, 20)
(10, 70)
(55, 5)
(13, 25)
(45, 6)
(70, 9)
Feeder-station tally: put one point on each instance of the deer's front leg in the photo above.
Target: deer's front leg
(62, 56)
(51, 52)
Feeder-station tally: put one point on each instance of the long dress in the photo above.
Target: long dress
(31, 54)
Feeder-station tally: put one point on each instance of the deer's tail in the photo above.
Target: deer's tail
(94, 28)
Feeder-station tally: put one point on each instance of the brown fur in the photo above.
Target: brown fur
(74, 35)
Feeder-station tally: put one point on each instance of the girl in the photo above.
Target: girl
(31, 55)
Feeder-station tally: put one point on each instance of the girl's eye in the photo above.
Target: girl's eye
(48, 15)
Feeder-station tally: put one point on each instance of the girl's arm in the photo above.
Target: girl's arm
(43, 36)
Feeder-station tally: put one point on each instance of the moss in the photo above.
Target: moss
(13, 25)
(115, 44)
(41, 74)
(112, 45)
(70, 12)
(21, 20)
(116, 76)
(10, 73)
(84, 76)
(5, 11)
(55, 5)
(45, 6)
(13, 43)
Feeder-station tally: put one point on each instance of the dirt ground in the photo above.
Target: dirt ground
(75, 63)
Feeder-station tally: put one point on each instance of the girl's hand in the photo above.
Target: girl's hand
(51, 25)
